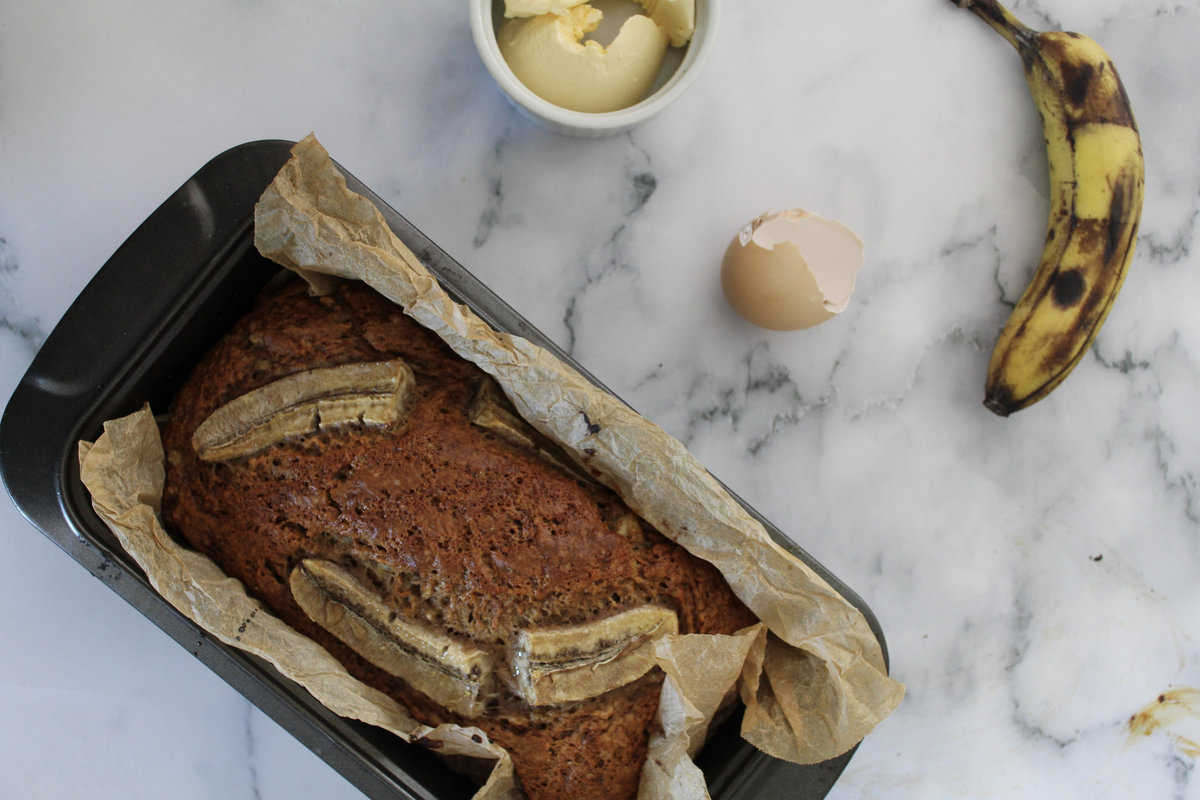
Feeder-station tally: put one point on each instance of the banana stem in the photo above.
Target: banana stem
(1017, 33)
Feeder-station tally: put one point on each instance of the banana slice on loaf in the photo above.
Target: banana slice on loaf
(454, 674)
(575, 662)
(316, 399)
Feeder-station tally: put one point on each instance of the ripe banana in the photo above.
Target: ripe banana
(1096, 188)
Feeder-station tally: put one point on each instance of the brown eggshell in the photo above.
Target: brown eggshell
(775, 286)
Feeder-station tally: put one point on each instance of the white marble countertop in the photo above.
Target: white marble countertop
(1038, 578)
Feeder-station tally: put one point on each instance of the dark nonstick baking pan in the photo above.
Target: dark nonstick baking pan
(131, 337)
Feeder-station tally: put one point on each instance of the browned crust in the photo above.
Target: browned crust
(454, 526)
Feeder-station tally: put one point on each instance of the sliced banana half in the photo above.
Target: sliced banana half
(455, 674)
(570, 663)
(373, 393)
(547, 666)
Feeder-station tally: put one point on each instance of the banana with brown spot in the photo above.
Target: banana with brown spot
(1097, 185)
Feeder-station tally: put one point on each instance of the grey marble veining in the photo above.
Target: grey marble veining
(1038, 577)
(12, 320)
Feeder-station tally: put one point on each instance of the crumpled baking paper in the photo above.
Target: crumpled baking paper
(124, 471)
(811, 675)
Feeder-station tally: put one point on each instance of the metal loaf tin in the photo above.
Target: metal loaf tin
(163, 298)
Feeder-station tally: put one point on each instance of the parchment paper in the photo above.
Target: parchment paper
(811, 676)
(124, 471)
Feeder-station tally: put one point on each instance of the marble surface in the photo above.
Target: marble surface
(1038, 577)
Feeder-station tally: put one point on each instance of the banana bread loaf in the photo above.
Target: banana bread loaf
(380, 495)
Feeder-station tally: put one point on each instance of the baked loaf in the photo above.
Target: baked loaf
(380, 495)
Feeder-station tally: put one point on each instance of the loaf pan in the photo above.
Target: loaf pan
(164, 297)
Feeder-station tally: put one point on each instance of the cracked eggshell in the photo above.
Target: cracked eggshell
(547, 54)
(791, 269)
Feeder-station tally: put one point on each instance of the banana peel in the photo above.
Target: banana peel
(1097, 186)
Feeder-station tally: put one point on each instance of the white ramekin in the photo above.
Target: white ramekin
(580, 123)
